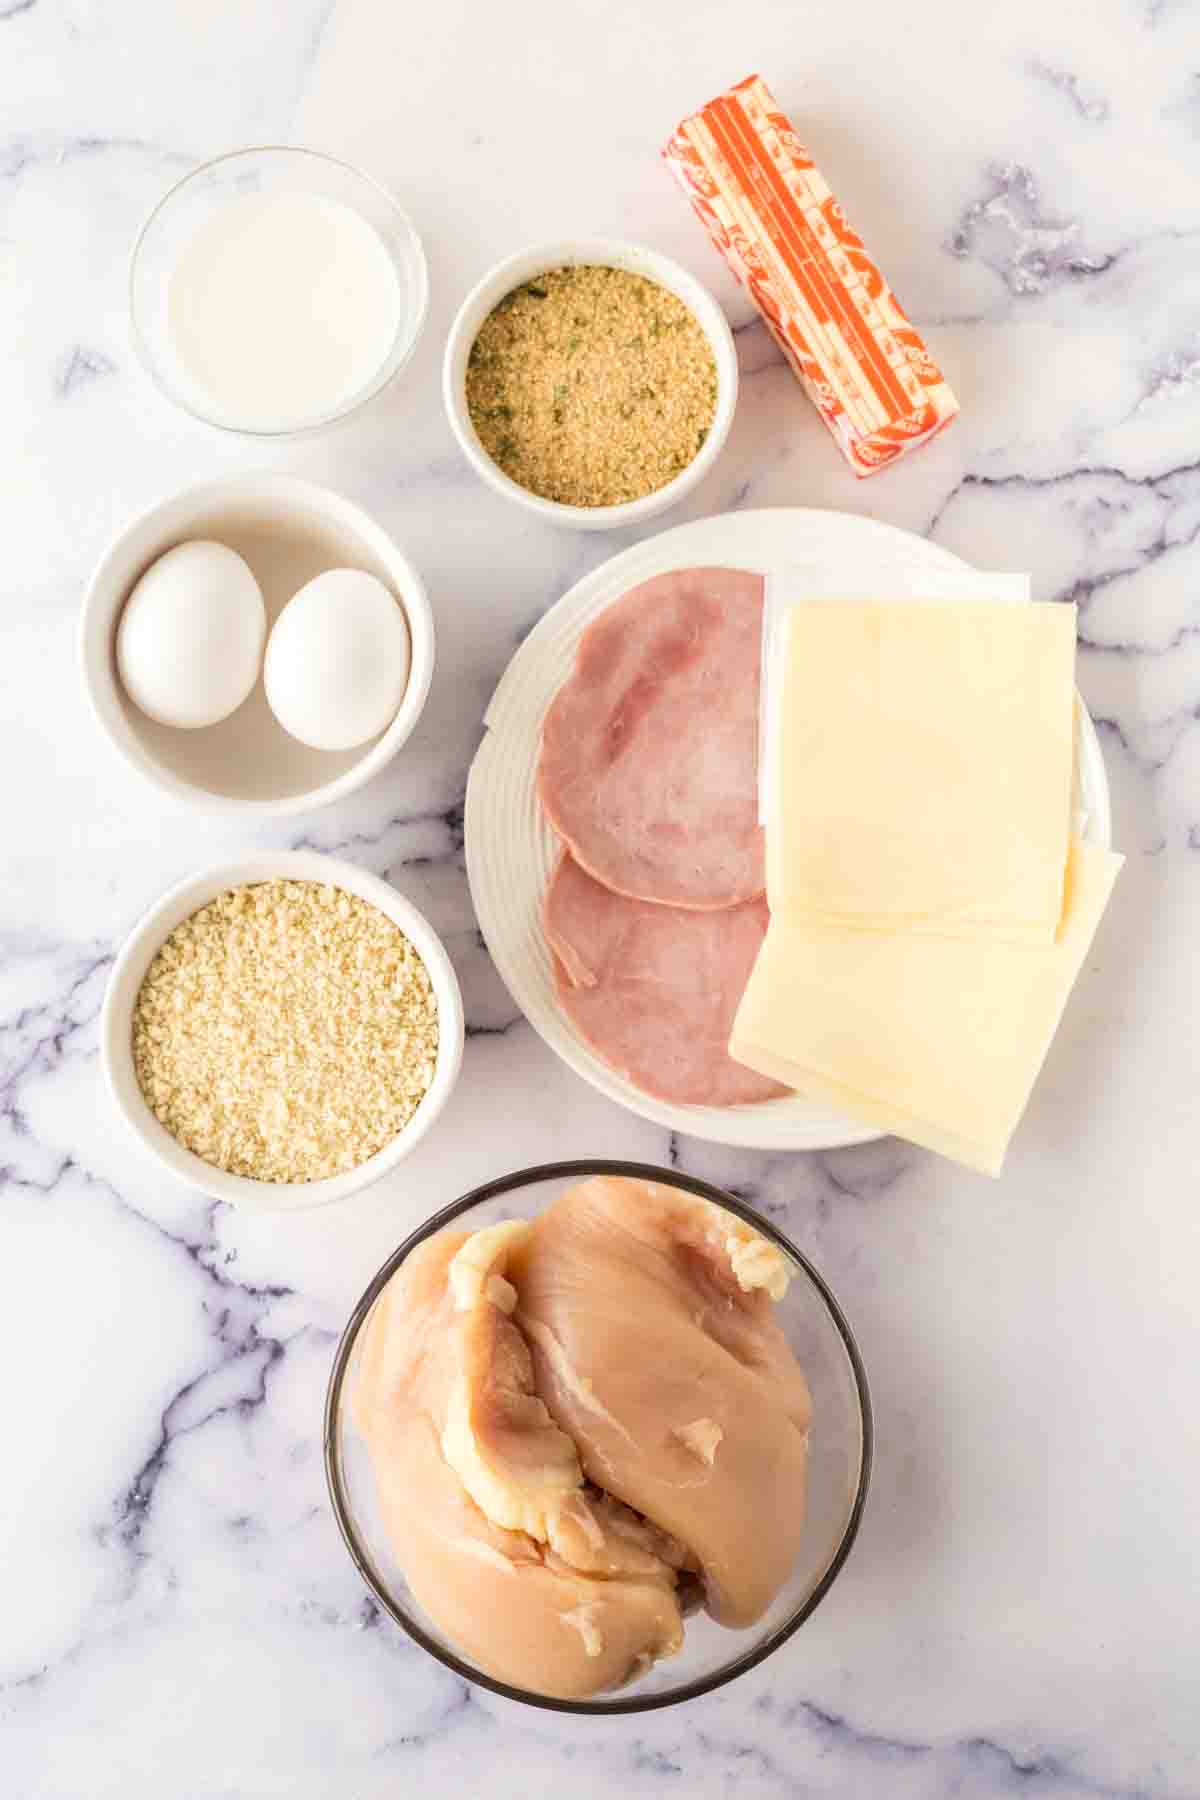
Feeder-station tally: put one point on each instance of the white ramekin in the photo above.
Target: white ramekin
(282, 775)
(611, 253)
(138, 952)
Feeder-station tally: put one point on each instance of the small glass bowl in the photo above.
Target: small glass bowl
(839, 1459)
(187, 206)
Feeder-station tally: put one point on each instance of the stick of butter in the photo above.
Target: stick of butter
(772, 216)
(936, 1039)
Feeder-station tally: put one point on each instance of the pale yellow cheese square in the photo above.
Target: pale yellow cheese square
(925, 755)
(936, 1039)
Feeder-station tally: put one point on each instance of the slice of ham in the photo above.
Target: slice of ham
(648, 765)
(653, 989)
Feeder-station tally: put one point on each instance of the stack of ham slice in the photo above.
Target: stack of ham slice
(648, 774)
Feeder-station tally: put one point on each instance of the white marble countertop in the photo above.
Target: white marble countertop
(1021, 1613)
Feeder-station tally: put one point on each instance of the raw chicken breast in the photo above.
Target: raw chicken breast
(537, 1579)
(655, 1347)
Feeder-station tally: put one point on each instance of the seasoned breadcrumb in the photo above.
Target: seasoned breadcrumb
(286, 1031)
(591, 385)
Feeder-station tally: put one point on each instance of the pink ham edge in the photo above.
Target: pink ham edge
(654, 989)
(648, 764)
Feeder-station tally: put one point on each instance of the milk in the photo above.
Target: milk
(281, 310)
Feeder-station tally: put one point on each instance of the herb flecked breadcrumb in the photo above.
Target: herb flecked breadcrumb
(591, 385)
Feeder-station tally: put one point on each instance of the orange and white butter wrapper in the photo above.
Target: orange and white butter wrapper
(773, 218)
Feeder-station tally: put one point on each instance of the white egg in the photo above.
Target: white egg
(337, 660)
(190, 638)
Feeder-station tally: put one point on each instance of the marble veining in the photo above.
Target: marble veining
(1020, 1615)
(1007, 232)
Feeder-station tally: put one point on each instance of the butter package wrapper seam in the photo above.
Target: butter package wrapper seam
(777, 224)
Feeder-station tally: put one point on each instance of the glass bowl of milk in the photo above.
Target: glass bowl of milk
(275, 290)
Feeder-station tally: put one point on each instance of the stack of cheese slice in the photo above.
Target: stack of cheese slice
(930, 907)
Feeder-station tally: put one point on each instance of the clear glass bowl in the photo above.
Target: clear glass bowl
(839, 1462)
(187, 206)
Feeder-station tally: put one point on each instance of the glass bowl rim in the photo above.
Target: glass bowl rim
(490, 1190)
(392, 363)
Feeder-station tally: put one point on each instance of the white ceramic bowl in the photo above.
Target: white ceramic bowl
(288, 530)
(610, 253)
(142, 945)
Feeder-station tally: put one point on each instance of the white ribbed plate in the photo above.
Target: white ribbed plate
(510, 849)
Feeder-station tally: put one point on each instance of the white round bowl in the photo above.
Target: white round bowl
(139, 951)
(609, 253)
(288, 530)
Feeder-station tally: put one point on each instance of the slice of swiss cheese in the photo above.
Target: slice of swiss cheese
(925, 755)
(937, 1039)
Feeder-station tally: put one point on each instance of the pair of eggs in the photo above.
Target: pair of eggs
(190, 647)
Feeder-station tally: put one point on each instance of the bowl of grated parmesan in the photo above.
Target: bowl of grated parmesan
(591, 381)
(281, 1031)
